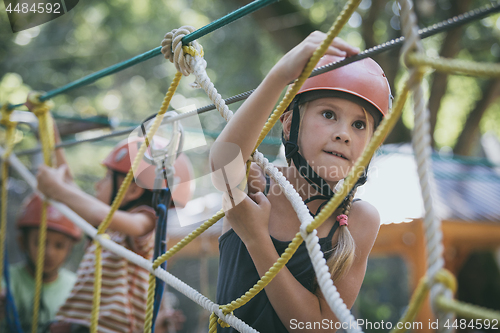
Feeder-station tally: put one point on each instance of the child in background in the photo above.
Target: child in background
(325, 130)
(124, 284)
(57, 281)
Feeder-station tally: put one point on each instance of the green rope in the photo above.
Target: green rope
(257, 4)
(237, 14)
(233, 16)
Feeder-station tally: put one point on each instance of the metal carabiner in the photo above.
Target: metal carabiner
(164, 158)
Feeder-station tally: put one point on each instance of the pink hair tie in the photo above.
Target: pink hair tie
(342, 219)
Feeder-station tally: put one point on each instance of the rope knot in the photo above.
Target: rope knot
(6, 111)
(38, 107)
(445, 277)
(103, 236)
(178, 54)
(221, 322)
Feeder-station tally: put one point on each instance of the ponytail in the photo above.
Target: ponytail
(342, 256)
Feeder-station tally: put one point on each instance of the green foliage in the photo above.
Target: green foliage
(97, 34)
(463, 92)
(384, 292)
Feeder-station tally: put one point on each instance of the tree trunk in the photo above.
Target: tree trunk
(469, 135)
(389, 61)
(449, 49)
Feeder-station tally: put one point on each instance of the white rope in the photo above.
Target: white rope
(186, 64)
(421, 140)
(197, 65)
(321, 269)
(133, 257)
(172, 49)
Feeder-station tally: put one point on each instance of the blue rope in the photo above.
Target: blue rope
(11, 314)
(161, 200)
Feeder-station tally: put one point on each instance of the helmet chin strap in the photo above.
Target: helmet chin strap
(305, 170)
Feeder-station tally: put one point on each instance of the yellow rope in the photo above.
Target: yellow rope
(47, 140)
(419, 295)
(455, 65)
(9, 145)
(445, 277)
(212, 327)
(273, 271)
(176, 248)
(191, 50)
(130, 175)
(264, 281)
(465, 310)
(164, 257)
(383, 129)
(119, 198)
(415, 305)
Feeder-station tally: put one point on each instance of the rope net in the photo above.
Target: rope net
(188, 60)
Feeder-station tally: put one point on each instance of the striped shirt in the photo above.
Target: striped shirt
(123, 290)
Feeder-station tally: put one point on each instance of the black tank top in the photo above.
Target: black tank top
(237, 274)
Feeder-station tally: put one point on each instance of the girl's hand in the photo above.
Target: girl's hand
(292, 64)
(52, 182)
(250, 217)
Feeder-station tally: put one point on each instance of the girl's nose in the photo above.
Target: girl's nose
(48, 251)
(342, 134)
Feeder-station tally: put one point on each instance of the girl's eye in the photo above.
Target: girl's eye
(328, 114)
(359, 124)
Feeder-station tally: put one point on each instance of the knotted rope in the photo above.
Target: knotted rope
(178, 54)
(47, 140)
(119, 198)
(421, 141)
(9, 145)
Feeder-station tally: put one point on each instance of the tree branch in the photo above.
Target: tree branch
(470, 132)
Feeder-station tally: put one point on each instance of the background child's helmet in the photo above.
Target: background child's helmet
(121, 157)
(363, 78)
(31, 215)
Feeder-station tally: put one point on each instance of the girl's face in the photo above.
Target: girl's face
(333, 134)
(104, 187)
(57, 248)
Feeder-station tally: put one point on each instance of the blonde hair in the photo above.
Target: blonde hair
(342, 256)
(343, 252)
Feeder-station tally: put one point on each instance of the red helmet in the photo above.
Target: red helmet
(56, 221)
(124, 153)
(363, 78)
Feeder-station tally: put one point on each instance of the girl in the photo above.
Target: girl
(124, 284)
(57, 281)
(325, 130)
